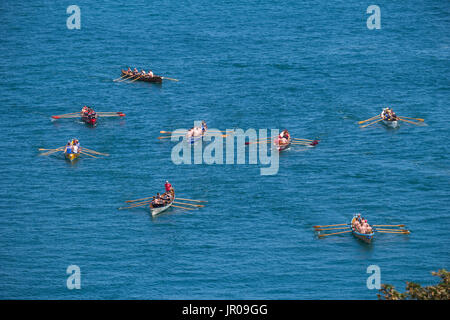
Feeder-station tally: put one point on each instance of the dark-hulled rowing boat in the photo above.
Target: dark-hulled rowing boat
(140, 77)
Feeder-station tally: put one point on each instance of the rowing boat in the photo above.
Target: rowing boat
(282, 146)
(89, 119)
(366, 237)
(139, 77)
(71, 156)
(390, 123)
(158, 210)
(194, 139)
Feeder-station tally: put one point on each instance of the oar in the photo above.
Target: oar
(191, 200)
(170, 79)
(394, 232)
(124, 75)
(87, 154)
(373, 118)
(112, 115)
(189, 204)
(247, 143)
(332, 225)
(126, 78)
(66, 116)
(370, 123)
(330, 234)
(130, 207)
(51, 152)
(304, 139)
(382, 229)
(139, 199)
(95, 152)
(418, 119)
(182, 207)
(417, 124)
(42, 149)
(141, 203)
(388, 225)
(134, 205)
(136, 78)
(331, 228)
(169, 132)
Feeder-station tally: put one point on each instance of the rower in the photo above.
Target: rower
(68, 148)
(168, 186)
(197, 131)
(204, 126)
(150, 73)
(129, 69)
(135, 71)
(190, 133)
(143, 72)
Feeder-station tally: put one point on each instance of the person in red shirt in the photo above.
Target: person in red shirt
(168, 186)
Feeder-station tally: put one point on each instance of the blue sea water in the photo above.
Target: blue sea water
(312, 67)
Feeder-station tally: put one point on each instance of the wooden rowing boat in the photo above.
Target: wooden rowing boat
(158, 210)
(366, 237)
(139, 77)
(71, 156)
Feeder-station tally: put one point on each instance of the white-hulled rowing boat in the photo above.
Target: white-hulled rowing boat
(158, 210)
(391, 123)
(194, 139)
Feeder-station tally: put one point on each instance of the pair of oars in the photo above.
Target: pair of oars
(224, 134)
(347, 225)
(83, 150)
(338, 227)
(398, 118)
(78, 114)
(138, 203)
(126, 77)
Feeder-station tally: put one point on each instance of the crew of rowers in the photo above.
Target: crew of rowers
(388, 114)
(73, 146)
(88, 112)
(165, 198)
(361, 225)
(142, 73)
(197, 131)
(284, 137)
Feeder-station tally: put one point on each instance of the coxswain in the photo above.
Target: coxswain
(393, 115)
(168, 186)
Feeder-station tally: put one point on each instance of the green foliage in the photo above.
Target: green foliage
(415, 291)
